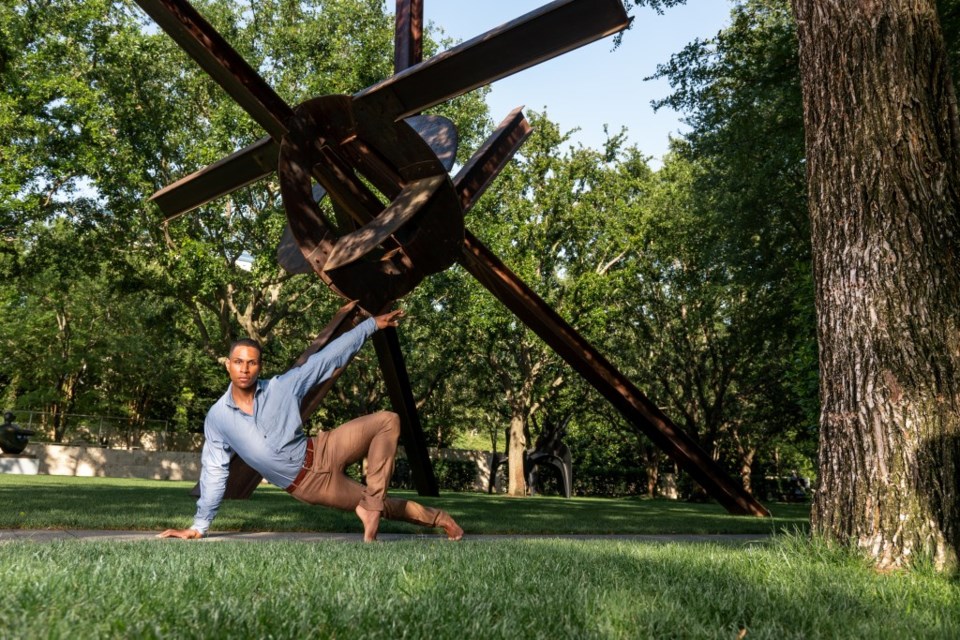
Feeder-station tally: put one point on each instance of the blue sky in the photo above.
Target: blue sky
(593, 85)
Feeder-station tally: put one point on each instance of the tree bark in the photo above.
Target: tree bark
(882, 162)
(516, 478)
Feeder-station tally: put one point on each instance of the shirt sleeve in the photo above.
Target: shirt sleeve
(214, 471)
(323, 363)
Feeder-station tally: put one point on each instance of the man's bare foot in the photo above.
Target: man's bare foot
(454, 532)
(371, 523)
(183, 534)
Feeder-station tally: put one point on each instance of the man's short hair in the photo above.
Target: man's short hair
(246, 342)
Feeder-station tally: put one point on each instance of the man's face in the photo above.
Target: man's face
(243, 366)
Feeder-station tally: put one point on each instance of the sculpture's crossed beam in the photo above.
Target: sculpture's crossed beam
(373, 147)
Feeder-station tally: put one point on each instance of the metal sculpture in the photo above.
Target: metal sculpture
(13, 437)
(547, 452)
(365, 149)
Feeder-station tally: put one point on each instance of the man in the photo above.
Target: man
(259, 420)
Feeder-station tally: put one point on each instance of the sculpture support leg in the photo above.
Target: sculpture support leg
(241, 482)
(395, 376)
(614, 386)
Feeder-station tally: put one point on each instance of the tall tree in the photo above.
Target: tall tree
(737, 212)
(883, 151)
(554, 215)
(526, 219)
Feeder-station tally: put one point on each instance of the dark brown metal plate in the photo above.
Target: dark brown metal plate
(540, 35)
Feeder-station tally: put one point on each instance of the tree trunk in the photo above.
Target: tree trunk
(745, 457)
(651, 457)
(653, 476)
(57, 421)
(882, 160)
(516, 479)
(746, 470)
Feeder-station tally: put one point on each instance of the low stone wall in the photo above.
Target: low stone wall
(24, 465)
(71, 460)
(480, 458)
(75, 460)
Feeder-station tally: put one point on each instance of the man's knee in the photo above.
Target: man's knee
(391, 423)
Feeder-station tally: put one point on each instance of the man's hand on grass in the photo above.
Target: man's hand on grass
(183, 534)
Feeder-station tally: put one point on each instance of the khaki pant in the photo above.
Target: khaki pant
(374, 437)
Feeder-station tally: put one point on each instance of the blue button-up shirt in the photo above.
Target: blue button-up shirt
(271, 440)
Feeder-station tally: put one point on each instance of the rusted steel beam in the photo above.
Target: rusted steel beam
(353, 246)
(408, 35)
(408, 51)
(208, 48)
(475, 176)
(236, 170)
(540, 35)
(241, 481)
(612, 384)
(395, 377)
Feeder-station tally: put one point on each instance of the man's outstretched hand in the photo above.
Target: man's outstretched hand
(183, 534)
(391, 319)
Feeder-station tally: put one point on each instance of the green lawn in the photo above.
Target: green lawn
(785, 587)
(58, 502)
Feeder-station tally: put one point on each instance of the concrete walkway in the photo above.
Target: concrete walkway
(52, 535)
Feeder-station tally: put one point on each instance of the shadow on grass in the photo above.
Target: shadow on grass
(42, 502)
(543, 588)
(615, 516)
(789, 588)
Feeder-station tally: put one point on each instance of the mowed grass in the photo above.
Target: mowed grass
(785, 587)
(533, 588)
(66, 502)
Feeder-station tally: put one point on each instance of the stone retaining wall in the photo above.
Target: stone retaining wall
(481, 459)
(75, 460)
(72, 460)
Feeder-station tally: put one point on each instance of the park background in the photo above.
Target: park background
(693, 278)
(691, 271)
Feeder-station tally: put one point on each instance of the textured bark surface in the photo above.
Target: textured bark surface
(516, 479)
(882, 153)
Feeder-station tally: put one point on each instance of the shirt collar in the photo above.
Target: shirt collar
(228, 396)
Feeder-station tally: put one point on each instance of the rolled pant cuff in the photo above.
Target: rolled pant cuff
(372, 503)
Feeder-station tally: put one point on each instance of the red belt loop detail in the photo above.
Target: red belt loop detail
(307, 464)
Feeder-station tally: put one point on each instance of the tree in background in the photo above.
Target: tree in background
(883, 148)
(540, 216)
(66, 318)
(99, 110)
(692, 281)
(724, 310)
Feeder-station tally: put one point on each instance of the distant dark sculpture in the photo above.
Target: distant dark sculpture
(398, 215)
(13, 438)
(548, 451)
(797, 488)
